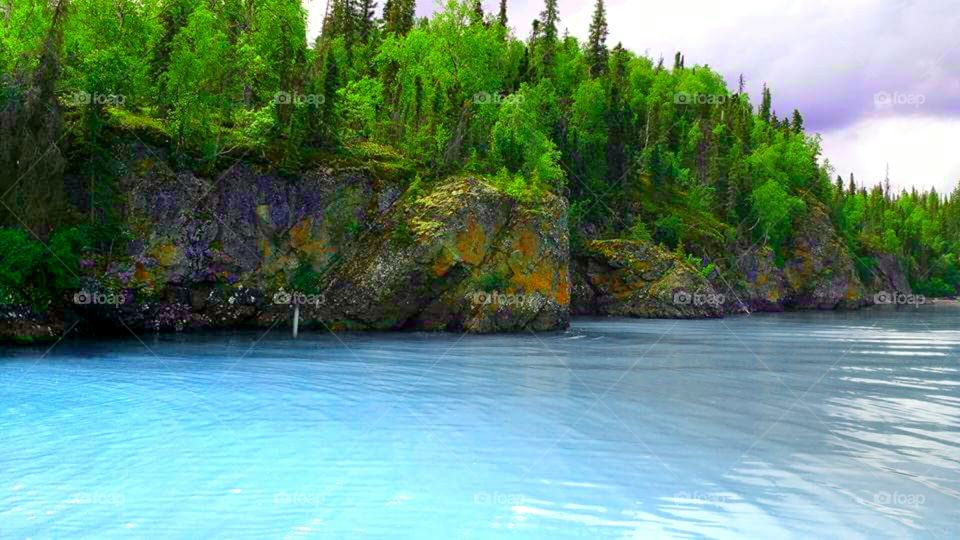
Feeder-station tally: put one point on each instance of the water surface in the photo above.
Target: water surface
(827, 425)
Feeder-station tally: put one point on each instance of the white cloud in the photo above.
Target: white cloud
(921, 151)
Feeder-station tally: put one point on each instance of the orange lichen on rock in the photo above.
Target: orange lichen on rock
(302, 239)
(442, 264)
(541, 279)
(563, 288)
(527, 242)
(471, 244)
(140, 273)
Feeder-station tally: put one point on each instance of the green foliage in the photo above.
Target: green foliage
(65, 249)
(630, 142)
(20, 259)
(306, 280)
(667, 231)
(935, 287)
(775, 211)
(34, 274)
(638, 231)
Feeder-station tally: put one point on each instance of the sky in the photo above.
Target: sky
(878, 79)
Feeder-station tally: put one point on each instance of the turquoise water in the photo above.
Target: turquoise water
(837, 425)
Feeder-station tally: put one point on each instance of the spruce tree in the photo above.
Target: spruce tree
(31, 131)
(331, 81)
(797, 122)
(597, 54)
(766, 104)
(502, 17)
(366, 15)
(547, 38)
(398, 16)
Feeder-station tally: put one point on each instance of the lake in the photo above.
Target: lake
(799, 425)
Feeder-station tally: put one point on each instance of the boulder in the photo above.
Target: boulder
(624, 278)
(821, 274)
(464, 257)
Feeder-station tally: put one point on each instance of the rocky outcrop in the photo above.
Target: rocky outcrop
(888, 275)
(23, 326)
(349, 247)
(357, 248)
(818, 274)
(757, 284)
(821, 273)
(624, 278)
(463, 257)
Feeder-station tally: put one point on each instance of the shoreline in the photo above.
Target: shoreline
(45, 333)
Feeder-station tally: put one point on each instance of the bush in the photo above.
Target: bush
(33, 274)
(19, 262)
(935, 288)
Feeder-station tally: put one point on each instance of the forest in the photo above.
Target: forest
(642, 148)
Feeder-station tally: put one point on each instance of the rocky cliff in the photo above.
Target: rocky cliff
(351, 247)
(362, 246)
(638, 279)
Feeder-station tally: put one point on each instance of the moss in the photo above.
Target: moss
(402, 235)
(493, 281)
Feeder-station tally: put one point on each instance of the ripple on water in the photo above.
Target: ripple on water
(769, 426)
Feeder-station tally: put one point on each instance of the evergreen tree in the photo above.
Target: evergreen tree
(31, 131)
(597, 54)
(547, 33)
(399, 15)
(797, 122)
(331, 82)
(502, 16)
(367, 19)
(766, 105)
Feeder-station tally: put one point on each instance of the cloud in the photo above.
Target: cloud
(915, 147)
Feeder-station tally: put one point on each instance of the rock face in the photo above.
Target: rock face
(821, 274)
(818, 274)
(888, 275)
(356, 249)
(463, 257)
(756, 285)
(624, 278)
(347, 246)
